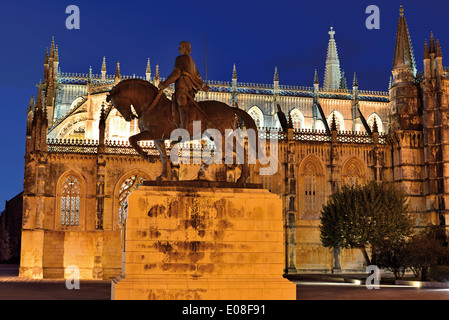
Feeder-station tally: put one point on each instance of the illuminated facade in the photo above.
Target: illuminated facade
(79, 166)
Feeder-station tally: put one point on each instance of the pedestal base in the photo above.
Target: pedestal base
(203, 241)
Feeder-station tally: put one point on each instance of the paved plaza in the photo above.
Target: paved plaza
(309, 287)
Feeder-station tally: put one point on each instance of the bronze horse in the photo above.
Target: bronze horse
(157, 121)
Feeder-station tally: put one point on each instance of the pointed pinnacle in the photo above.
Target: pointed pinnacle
(375, 127)
(439, 54)
(52, 47)
(148, 66)
(117, 71)
(315, 80)
(333, 122)
(157, 72)
(234, 72)
(426, 50)
(355, 83)
(432, 43)
(276, 75)
(103, 66)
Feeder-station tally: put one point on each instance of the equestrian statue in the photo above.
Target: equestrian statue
(159, 116)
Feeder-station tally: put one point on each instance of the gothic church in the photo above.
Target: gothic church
(79, 167)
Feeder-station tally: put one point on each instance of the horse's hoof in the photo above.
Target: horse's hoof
(161, 178)
(242, 179)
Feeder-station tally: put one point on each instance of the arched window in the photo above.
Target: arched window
(370, 122)
(310, 173)
(319, 125)
(134, 127)
(311, 186)
(338, 119)
(70, 201)
(130, 184)
(353, 173)
(116, 128)
(297, 119)
(257, 115)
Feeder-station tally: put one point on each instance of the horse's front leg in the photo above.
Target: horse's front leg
(134, 141)
(165, 160)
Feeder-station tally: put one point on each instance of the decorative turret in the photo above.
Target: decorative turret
(103, 70)
(343, 84)
(433, 59)
(355, 88)
(118, 76)
(276, 82)
(39, 126)
(46, 66)
(234, 99)
(332, 74)
(102, 129)
(404, 66)
(148, 71)
(157, 77)
(406, 112)
(316, 83)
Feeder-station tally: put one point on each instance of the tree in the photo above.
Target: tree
(363, 216)
(392, 255)
(425, 250)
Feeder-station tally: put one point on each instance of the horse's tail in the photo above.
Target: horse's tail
(249, 124)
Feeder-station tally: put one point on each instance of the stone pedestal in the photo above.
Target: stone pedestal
(199, 240)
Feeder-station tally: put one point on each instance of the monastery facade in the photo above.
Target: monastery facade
(80, 168)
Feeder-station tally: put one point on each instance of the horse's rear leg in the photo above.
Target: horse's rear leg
(165, 160)
(134, 141)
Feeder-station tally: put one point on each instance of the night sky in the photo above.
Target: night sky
(255, 35)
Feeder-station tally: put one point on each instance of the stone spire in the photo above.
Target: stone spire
(404, 66)
(103, 65)
(355, 82)
(117, 71)
(234, 99)
(343, 84)
(157, 77)
(46, 66)
(332, 74)
(56, 54)
(148, 71)
(103, 69)
(276, 83)
(52, 48)
(439, 53)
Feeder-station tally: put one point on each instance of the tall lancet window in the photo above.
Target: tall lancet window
(130, 184)
(310, 187)
(297, 119)
(70, 202)
(371, 119)
(134, 127)
(257, 115)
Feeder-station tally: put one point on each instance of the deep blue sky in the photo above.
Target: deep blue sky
(255, 35)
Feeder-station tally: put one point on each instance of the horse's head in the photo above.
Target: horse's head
(121, 103)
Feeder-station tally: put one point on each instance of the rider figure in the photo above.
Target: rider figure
(187, 81)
